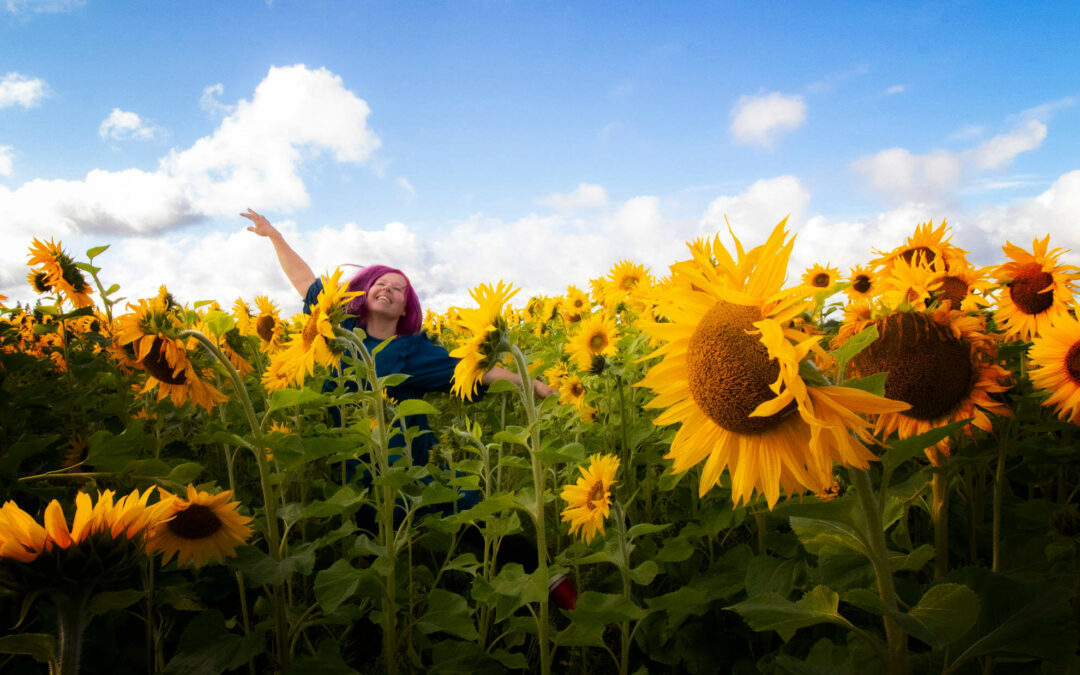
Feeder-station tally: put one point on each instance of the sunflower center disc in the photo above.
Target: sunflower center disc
(821, 280)
(919, 254)
(597, 342)
(1072, 362)
(577, 389)
(729, 371)
(265, 328)
(1024, 289)
(195, 522)
(926, 366)
(157, 365)
(862, 283)
(954, 290)
(596, 493)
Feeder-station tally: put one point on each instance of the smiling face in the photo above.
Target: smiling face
(386, 297)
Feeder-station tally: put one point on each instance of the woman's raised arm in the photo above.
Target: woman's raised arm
(298, 271)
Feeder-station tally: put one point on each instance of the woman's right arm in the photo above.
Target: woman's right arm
(298, 271)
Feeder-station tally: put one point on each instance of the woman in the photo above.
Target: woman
(389, 308)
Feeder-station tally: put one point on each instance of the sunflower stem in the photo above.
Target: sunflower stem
(940, 515)
(385, 505)
(273, 538)
(71, 622)
(879, 557)
(999, 494)
(528, 399)
(624, 572)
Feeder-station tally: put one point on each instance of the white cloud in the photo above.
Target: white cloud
(252, 159)
(896, 89)
(758, 208)
(1001, 149)
(762, 120)
(584, 196)
(16, 89)
(899, 175)
(123, 125)
(210, 103)
(7, 153)
(42, 6)
(1055, 212)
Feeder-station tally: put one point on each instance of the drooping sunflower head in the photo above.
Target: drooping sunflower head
(39, 281)
(201, 528)
(63, 275)
(588, 501)
(821, 276)
(485, 337)
(941, 362)
(1038, 290)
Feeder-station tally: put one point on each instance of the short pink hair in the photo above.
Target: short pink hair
(410, 322)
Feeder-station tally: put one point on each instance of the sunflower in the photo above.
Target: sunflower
(965, 287)
(485, 337)
(730, 376)
(314, 342)
(595, 338)
(864, 284)
(150, 332)
(1055, 367)
(242, 313)
(576, 304)
(202, 527)
(1039, 290)
(588, 501)
(572, 390)
(925, 247)
(63, 275)
(941, 362)
(821, 276)
(909, 284)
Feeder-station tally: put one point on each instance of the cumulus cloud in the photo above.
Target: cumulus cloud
(584, 196)
(123, 125)
(254, 157)
(7, 154)
(895, 89)
(899, 175)
(16, 89)
(763, 120)
(758, 208)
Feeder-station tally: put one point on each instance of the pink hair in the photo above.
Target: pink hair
(410, 322)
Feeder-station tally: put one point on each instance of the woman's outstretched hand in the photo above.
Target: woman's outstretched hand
(260, 225)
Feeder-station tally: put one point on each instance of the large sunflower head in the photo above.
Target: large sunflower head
(730, 375)
(940, 362)
(1038, 291)
(201, 527)
(864, 284)
(64, 276)
(485, 337)
(588, 501)
(1055, 367)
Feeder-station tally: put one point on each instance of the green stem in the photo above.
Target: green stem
(624, 571)
(879, 557)
(999, 494)
(538, 516)
(627, 451)
(940, 515)
(278, 599)
(71, 620)
(385, 502)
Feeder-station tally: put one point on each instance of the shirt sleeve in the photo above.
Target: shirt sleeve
(312, 295)
(429, 367)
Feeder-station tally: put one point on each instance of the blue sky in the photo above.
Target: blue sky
(534, 142)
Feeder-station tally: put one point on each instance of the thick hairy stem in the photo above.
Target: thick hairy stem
(879, 558)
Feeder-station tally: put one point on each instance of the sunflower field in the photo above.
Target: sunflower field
(747, 469)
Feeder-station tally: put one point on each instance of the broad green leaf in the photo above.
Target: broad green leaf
(913, 561)
(853, 346)
(902, 450)
(96, 251)
(340, 581)
(111, 600)
(87, 267)
(513, 434)
(644, 573)
(40, 646)
(580, 635)
(605, 608)
(772, 611)
(437, 494)
(219, 323)
(947, 611)
(287, 398)
(822, 535)
(675, 549)
(875, 384)
(262, 569)
(110, 452)
(570, 453)
(207, 647)
(414, 406)
(185, 473)
(344, 500)
(767, 574)
(645, 528)
(448, 612)
(327, 660)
